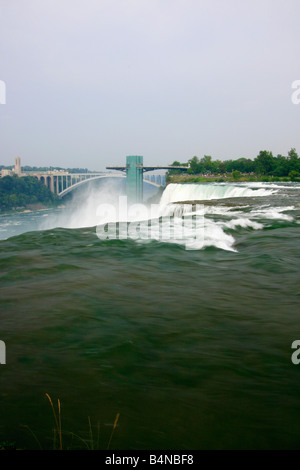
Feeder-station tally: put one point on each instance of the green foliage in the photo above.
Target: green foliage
(265, 165)
(174, 172)
(206, 166)
(236, 174)
(18, 192)
(294, 175)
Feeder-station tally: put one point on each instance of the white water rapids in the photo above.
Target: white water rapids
(193, 215)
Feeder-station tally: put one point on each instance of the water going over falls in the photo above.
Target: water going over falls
(184, 329)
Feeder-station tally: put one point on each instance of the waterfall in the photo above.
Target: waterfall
(208, 191)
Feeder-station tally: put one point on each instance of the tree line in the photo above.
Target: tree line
(18, 193)
(264, 164)
(47, 168)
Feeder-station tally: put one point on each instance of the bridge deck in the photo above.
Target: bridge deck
(149, 168)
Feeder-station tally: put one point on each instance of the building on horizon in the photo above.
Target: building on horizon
(6, 172)
(17, 168)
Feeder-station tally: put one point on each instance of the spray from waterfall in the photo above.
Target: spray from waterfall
(193, 215)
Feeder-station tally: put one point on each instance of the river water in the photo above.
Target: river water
(188, 338)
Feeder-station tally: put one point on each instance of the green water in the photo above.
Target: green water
(191, 347)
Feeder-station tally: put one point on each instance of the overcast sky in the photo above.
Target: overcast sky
(91, 81)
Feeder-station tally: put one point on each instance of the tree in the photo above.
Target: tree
(264, 162)
(19, 192)
(236, 174)
(292, 155)
(194, 166)
(220, 167)
(207, 164)
(293, 161)
(174, 172)
(294, 174)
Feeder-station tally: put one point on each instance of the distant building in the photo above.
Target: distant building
(6, 173)
(15, 171)
(17, 168)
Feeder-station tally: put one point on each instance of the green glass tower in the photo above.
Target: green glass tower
(134, 179)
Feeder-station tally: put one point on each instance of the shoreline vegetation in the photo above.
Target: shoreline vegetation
(64, 440)
(264, 168)
(215, 178)
(23, 194)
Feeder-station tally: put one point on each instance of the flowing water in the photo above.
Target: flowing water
(187, 337)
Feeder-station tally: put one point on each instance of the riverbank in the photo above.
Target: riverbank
(180, 178)
(19, 194)
(30, 208)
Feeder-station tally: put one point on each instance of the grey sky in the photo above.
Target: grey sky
(91, 81)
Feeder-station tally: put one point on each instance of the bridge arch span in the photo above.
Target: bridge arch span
(87, 180)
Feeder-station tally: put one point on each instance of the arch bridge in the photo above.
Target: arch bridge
(61, 183)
